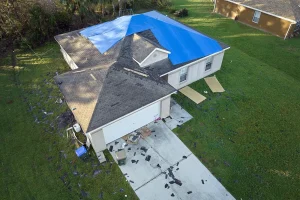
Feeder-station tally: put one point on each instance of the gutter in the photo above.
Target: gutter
(215, 2)
(95, 130)
(192, 63)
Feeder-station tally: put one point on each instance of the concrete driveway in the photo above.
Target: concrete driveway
(172, 172)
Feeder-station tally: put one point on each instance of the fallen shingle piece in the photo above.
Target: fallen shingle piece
(148, 158)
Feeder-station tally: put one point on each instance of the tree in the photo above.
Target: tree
(83, 8)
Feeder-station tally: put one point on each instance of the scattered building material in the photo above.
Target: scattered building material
(214, 84)
(178, 182)
(121, 157)
(192, 94)
(145, 132)
(144, 149)
(148, 158)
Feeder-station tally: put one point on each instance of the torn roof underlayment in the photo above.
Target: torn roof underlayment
(183, 42)
(109, 85)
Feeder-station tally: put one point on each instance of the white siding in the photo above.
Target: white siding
(165, 107)
(68, 59)
(196, 71)
(131, 123)
(98, 141)
(155, 56)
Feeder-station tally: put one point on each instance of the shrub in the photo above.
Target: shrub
(63, 21)
(41, 26)
(181, 13)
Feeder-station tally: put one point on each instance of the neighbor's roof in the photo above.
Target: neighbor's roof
(100, 93)
(183, 42)
(284, 8)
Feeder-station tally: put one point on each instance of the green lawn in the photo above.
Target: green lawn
(248, 136)
(36, 161)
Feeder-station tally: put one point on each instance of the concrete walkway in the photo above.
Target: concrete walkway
(172, 172)
(178, 116)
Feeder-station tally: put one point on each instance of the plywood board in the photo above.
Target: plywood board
(192, 94)
(214, 84)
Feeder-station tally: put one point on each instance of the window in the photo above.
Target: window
(256, 16)
(183, 74)
(208, 63)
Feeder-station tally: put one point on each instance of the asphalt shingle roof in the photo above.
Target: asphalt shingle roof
(98, 94)
(103, 89)
(285, 8)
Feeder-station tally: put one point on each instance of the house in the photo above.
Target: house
(279, 17)
(125, 71)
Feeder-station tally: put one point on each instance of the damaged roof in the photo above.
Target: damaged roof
(98, 94)
(109, 85)
(289, 9)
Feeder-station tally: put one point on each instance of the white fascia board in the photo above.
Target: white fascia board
(136, 61)
(196, 61)
(95, 130)
(274, 15)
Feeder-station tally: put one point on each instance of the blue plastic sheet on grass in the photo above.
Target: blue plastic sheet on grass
(184, 43)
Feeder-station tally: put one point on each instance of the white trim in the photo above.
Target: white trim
(156, 49)
(288, 31)
(95, 130)
(192, 63)
(274, 15)
(136, 61)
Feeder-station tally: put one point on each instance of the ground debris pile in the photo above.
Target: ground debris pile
(65, 119)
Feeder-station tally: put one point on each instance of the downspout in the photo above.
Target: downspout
(288, 31)
(215, 5)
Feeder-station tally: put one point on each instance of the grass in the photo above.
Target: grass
(248, 136)
(37, 161)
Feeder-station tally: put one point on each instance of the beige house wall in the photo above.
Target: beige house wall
(196, 71)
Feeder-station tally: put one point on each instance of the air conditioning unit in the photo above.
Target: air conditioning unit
(77, 127)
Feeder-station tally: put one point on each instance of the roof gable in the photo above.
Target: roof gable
(167, 31)
(99, 94)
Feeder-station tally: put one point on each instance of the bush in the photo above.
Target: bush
(181, 13)
(149, 4)
(41, 26)
(63, 21)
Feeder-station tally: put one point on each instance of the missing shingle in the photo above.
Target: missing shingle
(139, 84)
(118, 84)
(114, 104)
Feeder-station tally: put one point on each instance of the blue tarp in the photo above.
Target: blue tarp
(184, 43)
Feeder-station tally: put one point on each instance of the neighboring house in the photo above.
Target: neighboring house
(279, 17)
(125, 71)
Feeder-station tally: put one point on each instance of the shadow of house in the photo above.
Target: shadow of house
(276, 17)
